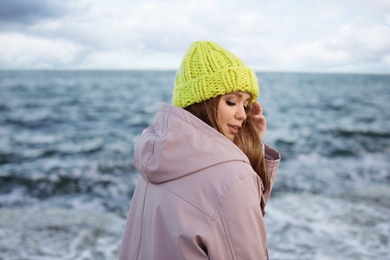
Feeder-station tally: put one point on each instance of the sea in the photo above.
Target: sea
(67, 178)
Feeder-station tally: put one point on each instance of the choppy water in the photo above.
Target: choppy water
(66, 149)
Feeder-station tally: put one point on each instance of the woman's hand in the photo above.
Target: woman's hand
(258, 119)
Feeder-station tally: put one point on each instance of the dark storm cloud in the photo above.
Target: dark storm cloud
(26, 11)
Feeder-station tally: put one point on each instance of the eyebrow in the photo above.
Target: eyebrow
(238, 94)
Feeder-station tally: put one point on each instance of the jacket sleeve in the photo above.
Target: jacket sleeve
(272, 161)
(239, 231)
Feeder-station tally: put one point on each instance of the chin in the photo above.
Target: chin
(231, 138)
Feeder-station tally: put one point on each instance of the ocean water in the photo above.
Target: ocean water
(66, 150)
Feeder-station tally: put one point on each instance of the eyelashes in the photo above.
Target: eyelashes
(232, 104)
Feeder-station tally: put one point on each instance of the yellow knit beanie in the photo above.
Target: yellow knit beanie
(207, 71)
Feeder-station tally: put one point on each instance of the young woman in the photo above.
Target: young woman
(205, 174)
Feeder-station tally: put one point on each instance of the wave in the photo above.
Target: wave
(62, 182)
(58, 233)
(357, 132)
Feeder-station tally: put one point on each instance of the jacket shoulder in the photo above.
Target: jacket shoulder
(207, 189)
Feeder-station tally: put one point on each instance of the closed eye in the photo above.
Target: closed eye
(230, 103)
(247, 108)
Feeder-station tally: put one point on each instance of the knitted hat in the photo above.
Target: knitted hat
(207, 71)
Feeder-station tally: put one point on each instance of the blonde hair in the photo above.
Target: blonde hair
(247, 138)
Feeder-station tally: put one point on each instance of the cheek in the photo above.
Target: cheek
(221, 115)
(219, 112)
(224, 119)
(225, 113)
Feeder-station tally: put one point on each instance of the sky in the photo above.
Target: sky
(268, 35)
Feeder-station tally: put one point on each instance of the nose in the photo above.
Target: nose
(241, 113)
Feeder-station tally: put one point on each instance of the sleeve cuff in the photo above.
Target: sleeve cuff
(270, 153)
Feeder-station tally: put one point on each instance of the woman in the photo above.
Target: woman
(205, 179)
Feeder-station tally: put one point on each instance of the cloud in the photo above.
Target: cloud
(363, 40)
(26, 11)
(268, 35)
(31, 52)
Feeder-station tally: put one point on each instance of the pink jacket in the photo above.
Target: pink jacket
(198, 197)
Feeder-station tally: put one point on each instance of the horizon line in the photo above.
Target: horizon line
(174, 70)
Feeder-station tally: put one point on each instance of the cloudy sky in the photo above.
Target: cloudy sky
(269, 35)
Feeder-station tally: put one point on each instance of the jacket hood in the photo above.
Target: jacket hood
(178, 144)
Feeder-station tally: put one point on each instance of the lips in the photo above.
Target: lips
(234, 129)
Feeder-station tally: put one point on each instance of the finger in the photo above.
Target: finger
(256, 110)
(260, 108)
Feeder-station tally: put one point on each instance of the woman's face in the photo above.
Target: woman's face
(232, 112)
